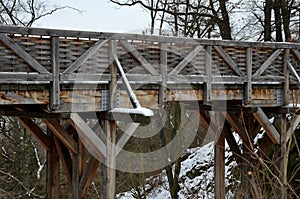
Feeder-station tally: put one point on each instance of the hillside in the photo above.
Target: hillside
(196, 177)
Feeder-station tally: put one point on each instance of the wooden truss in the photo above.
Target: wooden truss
(53, 75)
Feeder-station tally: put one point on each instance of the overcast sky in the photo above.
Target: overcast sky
(97, 15)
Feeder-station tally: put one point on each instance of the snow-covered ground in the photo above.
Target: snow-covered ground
(196, 176)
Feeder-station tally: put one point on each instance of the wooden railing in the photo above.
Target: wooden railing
(59, 58)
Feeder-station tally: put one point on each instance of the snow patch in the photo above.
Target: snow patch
(196, 176)
(141, 111)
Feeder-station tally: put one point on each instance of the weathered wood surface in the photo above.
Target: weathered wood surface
(69, 70)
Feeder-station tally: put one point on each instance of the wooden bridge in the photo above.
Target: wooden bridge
(58, 75)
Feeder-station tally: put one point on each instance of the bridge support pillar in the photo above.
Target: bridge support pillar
(52, 170)
(219, 162)
(260, 138)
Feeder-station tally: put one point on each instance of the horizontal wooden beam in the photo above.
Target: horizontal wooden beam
(267, 125)
(18, 77)
(53, 32)
(10, 110)
(129, 36)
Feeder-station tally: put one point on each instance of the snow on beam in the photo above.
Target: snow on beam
(136, 111)
(267, 125)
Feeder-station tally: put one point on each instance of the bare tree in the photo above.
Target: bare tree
(22, 160)
(26, 12)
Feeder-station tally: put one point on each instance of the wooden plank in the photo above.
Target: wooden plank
(228, 60)
(53, 32)
(296, 53)
(249, 65)
(55, 85)
(210, 126)
(150, 38)
(234, 147)
(208, 67)
(88, 137)
(20, 52)
(284, 157)
(286, 84)
(36, 132)
(52, 188)
(99, 79)
(267, 63)
(88, 176)
(113, 76)
(236, 125)
(219, 165)
(75, 174)
(61, 134)
(294, 72)
(162, 97)
(136, 55)
(65, 158)
(190, 56)
(9, 110)
(110, 129)
(85, 56)
(267, 125)
(15, 77)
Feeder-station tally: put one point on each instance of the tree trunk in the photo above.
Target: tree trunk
(278, 23)
(285, 11)
(267, 20)
(224, 24)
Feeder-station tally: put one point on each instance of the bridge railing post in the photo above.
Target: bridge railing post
(55, 84)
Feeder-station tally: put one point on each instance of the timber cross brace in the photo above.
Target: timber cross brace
(67, 77)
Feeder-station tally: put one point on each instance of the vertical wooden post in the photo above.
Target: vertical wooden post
(283, 164)
(75, 173)
(248, 89)
(110, 129)
(164, 74)
(286, 86)
(207, 86)
(102, 165)
(219, 161)
(54, 86)
(52, 170)
(111, 159)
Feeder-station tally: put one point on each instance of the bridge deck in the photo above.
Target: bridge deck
(70, 70)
